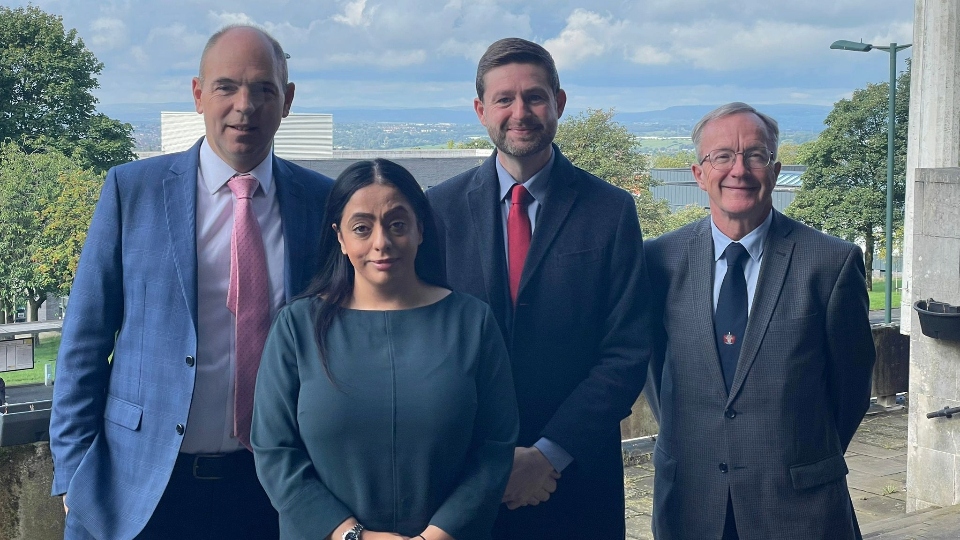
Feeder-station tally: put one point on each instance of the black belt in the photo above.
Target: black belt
(216, 466)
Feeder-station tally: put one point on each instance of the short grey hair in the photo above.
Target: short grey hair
(737, 107)
(279, 56)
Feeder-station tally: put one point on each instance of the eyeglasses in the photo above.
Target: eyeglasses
(753, 158)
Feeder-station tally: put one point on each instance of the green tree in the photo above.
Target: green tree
(480, 143)
(47, 76)
(844, 187)
(681, 159)
(684, 216)
(46, 202)
(789, 153)
(596, 143)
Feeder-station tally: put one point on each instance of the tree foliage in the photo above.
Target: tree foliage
(47, 76)
(844, 187)
(684, 216)
(46, 203)
(681, 159)
(596, 143)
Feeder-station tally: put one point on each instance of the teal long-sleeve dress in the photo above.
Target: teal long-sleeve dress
(417, 427)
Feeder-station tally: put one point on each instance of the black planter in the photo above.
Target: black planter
(938, 320)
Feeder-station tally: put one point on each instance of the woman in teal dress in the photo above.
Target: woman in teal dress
(384, 405)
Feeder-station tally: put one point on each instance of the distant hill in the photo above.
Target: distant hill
(353, 126)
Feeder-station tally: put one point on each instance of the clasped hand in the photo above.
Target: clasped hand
(532, 479)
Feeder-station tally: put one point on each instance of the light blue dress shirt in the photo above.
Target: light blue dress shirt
(753, 243)
(537, 186)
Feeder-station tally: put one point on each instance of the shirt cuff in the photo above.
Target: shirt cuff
(557, 456)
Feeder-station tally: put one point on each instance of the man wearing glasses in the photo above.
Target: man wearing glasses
(764, 354)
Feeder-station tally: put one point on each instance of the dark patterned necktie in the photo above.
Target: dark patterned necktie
(730, 320)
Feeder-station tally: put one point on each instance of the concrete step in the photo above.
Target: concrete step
(930, 524)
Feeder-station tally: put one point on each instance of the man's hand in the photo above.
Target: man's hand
(532, 479)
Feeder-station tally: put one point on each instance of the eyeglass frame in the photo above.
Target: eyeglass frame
(734, 160)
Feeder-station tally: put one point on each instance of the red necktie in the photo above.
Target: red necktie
(518, 236)
(248, 298)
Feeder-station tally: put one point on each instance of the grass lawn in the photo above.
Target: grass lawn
(878, 294)
(43, 354)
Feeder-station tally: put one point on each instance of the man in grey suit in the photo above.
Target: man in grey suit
(561, 265)
(764, 357)
(147, 431)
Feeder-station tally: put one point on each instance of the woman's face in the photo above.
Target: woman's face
(380, 234)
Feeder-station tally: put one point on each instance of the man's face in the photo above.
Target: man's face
(519, 109)
(241, 98)
(741, 197)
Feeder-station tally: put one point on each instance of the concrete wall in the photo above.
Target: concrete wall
(933, 445)
(27, 511)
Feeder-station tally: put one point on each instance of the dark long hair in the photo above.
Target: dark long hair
(333, 284)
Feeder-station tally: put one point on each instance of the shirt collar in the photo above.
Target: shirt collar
(752, 242)
(215, 172)
(536, 184)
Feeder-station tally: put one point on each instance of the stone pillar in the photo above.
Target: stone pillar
(934, 131)
(933, 445)
(27, 511)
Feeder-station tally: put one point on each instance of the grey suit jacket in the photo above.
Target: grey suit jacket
(775, 444)
(116, 426)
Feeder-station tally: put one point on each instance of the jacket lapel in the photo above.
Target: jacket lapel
(485, 214)
(561, 194)
(777, 252)
(702, 265)
(180, 206)
(293, 214)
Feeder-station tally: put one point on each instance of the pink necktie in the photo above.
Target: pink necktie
(248, 298)
(518, 236)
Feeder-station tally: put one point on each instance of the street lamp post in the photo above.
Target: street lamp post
(893, 49)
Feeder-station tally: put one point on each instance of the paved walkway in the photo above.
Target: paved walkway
(877, 459)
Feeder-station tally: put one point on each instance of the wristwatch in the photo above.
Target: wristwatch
(353, 534)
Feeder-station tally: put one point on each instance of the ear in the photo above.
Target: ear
(478, 108)
(197, 89)
(288, 99)
(561, 102)
(339, 238)
(699, 175)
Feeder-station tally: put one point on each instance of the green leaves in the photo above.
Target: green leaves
(46, 204)
(46, 80)
(844, 187)
(596, 143)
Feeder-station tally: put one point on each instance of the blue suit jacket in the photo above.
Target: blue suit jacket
(115, 428)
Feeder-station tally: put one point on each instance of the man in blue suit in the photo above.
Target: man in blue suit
(142, 428)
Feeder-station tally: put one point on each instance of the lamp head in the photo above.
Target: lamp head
(845, 45)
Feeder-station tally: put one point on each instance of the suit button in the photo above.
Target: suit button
(730, 413)
(190, 361)
(179, 429)
(723, 468)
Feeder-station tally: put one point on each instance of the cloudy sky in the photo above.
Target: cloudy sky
(634, 55)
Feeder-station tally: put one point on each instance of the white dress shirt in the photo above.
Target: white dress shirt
(210, 424)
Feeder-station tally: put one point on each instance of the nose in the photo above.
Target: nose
(739, 167)
(246, 100)
(520, 109)
(381, 238)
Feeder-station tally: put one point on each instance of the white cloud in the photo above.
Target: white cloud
(586, 35)
(225, 18)
(109, 33)
(353, 14)
(384, 59)
(649, 55)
